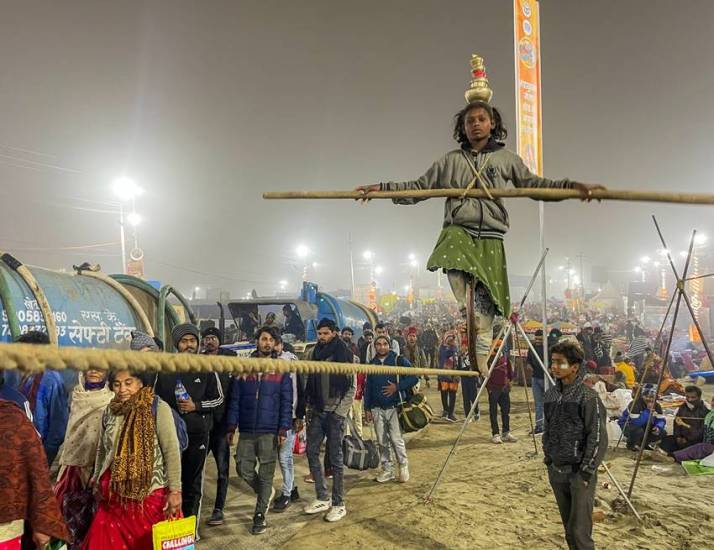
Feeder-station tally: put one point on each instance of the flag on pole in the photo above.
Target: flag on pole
(528, 91)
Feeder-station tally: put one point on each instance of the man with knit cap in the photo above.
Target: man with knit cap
(196, 396)
(211, 341)
(140, 341)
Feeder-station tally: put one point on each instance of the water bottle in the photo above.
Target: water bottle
(180, 391)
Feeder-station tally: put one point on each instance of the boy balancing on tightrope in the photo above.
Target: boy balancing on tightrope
(471, 241)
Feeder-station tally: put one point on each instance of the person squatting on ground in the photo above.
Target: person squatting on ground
(137, 472)
(211, 341)
(574, 443)
(195, 396)
(329, 397)
(289, 492)
(634, 418)
(261, 407)
(381, 397)
(470, 246)
(688, 423)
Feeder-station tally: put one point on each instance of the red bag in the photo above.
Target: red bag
(300, 445)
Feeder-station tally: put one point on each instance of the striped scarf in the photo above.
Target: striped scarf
(133, 464)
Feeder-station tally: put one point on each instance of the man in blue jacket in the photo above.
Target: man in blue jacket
(48, 400)
(261, 407)
(381, 397)
(635, 417)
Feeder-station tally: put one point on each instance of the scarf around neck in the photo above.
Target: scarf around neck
(133, 464)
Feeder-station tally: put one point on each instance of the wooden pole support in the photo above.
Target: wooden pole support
(528, 193)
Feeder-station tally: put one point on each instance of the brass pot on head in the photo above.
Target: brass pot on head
(479, 90)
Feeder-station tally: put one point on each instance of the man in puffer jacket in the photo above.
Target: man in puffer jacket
(261, 407)
(574, 443)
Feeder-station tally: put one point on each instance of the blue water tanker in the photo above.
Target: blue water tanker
(85, 308)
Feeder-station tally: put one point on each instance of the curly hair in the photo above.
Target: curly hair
(499, 132)
(572, 351)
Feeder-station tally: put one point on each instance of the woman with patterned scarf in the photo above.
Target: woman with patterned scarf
(138, 467)
(89, 399)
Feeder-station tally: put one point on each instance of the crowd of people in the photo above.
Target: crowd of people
(125, 450)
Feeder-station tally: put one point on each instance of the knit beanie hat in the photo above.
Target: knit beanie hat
(182, 330)
(141, 340)
(212, 331)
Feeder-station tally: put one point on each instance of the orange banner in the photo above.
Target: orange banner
(528, 92)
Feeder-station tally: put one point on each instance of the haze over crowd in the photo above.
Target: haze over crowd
(207, 105)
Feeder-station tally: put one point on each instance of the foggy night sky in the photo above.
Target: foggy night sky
(207, 104)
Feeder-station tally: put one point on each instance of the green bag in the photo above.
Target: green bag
(415, 413)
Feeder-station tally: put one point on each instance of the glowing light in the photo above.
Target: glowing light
(302, 251)
(126, 188)
(368, 255)
(379, 270)
(133, 219)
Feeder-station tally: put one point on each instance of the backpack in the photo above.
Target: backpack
(179, 423)
(357, 453)
(414, 412)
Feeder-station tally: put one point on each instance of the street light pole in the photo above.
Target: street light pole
(122, 237)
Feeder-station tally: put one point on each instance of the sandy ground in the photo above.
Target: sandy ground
(492, 496)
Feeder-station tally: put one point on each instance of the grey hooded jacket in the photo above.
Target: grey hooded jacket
(498, 166)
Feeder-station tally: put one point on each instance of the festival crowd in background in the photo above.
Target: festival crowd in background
(123, 451)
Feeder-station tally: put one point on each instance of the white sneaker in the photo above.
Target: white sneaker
(496, 439)
(384, 476)
(336, 513)
(403, 473)
(508, 438)
(317, 507)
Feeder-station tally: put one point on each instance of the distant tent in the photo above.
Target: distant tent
(608, 299)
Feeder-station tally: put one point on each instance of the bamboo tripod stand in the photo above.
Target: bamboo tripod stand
(678, 295)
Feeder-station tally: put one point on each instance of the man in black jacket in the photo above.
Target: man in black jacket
(196, 396)
(574, 443)
(211, 341)
(329, 397)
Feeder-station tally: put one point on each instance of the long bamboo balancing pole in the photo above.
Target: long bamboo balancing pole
(529, 193)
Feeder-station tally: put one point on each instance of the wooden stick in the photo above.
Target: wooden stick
(529, 193)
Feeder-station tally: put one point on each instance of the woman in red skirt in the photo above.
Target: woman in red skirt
(138, 467)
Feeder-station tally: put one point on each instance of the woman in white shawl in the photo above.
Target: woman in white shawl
(89, 399)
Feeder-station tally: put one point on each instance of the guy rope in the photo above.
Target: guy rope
(520, 193)
(36, 358)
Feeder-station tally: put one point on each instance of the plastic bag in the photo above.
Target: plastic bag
(300, 443)
(175, 534)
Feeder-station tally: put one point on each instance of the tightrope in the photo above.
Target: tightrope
(37, 358)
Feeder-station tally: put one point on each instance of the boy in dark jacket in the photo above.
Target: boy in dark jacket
(261, 406)
(574, 443)
(381, 397)
(195, 396)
